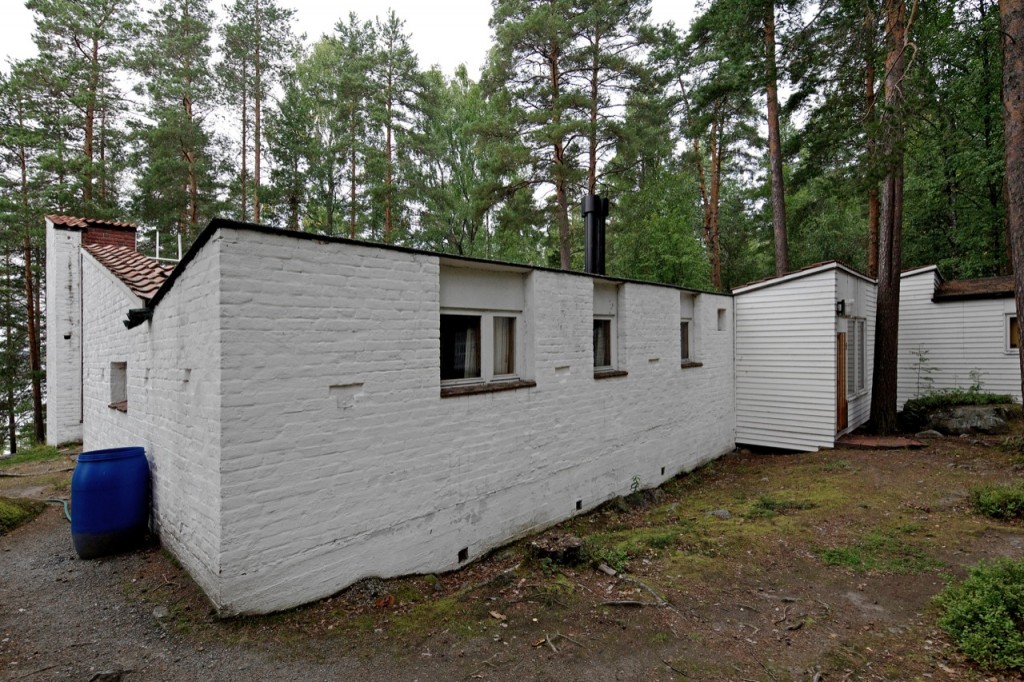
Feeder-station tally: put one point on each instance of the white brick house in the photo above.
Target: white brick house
(318, 410)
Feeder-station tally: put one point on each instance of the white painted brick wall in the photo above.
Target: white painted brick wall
(288, 397)
(319, 490)
(173, 401)
(63, 319)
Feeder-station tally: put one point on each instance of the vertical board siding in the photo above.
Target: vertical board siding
(785, 364)
(956, 338)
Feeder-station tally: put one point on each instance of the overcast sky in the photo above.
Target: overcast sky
(444, 32)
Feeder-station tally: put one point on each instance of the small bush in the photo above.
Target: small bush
(999, 501)
(984, 614)
(16, 511)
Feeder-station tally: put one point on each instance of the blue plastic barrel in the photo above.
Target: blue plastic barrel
(109, 501)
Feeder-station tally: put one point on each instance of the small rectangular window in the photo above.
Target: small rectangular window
(684, 340)
(1014, 337)
(460, 347)
(119, 385)
(504, 346)
(602, 344)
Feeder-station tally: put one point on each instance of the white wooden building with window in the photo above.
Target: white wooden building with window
(955, 334)
(804, 346)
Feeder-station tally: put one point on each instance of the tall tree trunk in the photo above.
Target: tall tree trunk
(883, 390)
(592, 132)
(245, 147)
(775, 145)
(90, 126)
(869, 113)
(31, 305)
(558, 166)
(257, 103)
(387, 177)
(1011, 16)
(714, 240)
(352, 188)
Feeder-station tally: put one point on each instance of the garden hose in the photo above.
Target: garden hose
(64, 502)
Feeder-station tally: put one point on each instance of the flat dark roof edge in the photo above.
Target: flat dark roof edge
(948, 298)
(223, 223)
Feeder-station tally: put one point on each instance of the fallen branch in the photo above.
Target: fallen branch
(40, 670)
(568, 638)
(673, 668)
(550, 644)
(627, 602)
(785, 615)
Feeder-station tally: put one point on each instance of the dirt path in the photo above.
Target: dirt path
(764, 568)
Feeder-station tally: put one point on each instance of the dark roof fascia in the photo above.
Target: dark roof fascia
(952, 298)
(223, 223)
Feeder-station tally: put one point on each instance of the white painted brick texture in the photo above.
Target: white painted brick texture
(379, 476)
(63, 335)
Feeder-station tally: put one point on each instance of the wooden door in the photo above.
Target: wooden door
(841, 406)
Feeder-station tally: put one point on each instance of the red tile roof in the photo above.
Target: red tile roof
(985, 287)
(141, 274)
(85, 223)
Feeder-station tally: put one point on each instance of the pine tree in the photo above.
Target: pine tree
(176, 188)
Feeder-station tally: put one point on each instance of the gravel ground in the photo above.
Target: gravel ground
(62, 618)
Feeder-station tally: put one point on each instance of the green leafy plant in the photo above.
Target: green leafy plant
(922, 370)
(634, 486)
(999, 501)
(984, 614)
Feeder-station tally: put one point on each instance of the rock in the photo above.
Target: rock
(954, 421)
(929, 433)
(720, 513)
(161, 612)
(561, 548)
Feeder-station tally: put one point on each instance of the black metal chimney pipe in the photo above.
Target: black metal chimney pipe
(595, 214)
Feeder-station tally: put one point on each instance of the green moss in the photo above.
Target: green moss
(16, 511)
(768, 506)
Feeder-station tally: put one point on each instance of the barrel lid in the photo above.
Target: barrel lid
(112, 453)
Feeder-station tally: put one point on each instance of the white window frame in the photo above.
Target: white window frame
(487, 375)
(856, 349)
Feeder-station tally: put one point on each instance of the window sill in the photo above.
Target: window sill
(495, 387)
(690, 363)
(609, 373)
(120, 406)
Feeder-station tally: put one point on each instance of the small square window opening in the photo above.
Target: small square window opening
(460, 347)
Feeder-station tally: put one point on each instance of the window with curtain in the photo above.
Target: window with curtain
(504, 346)
(460, 347)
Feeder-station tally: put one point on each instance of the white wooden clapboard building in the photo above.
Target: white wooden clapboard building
(956, 334)
(804, 346)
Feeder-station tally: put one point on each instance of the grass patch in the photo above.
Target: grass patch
(983, 614)
(38, 453)
(617, 548)
(999, 501)
(767, 506)
(882, 551)
(16, 511)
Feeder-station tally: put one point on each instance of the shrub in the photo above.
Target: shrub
(984, 614)
(999, 501)
(915, 411)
